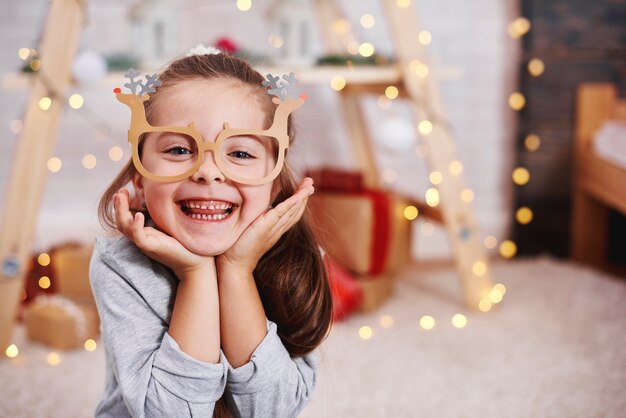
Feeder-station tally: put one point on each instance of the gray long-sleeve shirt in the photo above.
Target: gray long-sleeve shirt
(147, 373)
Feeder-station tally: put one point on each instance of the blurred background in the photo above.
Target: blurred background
(508, 73)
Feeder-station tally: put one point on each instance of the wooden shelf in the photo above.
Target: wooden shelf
(355, 75)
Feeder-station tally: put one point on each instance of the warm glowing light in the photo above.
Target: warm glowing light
(23, 53)
(508, 249)
(479, 268)
(519, 27)
(532, 142)
(353, 48)
(386, 321)
(366, 49)
(383, 102)
(90, 345)
(432, 197)
(45, 103)
(427, 229)
(536, 67)
(495, 296)
(517, 101)
(76, 101)
(524, 215)
(425, 37)
(12, 351)
(391, 92)
(275, 41)
(53, 359)
(15, 126)
(455, 167)
(44, 282)
(485, 305)
(341, 26)
(427, 322)
(244, 5)
(338, 83)
(520, 176)
(467, 195)
(390, 175)
(425, 127)
(410, 212)
(490, 242)
(435, 177)
(500, 288)
(35, 64)
(403, 3)
(368, 21)
(459, 321)
(419, 68)
(89, 161)
(54, 164)
(43, 259)
(365, 332)
(116, 153)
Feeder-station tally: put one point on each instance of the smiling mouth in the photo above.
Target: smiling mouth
(207, 210)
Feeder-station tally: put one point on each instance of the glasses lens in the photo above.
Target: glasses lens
(168, 154)
(249, 157)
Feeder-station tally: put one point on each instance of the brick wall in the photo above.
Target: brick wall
(579, 41)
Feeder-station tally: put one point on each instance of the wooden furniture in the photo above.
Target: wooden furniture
(598, 184)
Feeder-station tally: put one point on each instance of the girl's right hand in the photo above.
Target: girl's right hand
(154, 243)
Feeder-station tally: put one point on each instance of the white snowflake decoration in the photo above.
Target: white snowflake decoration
(203, 50)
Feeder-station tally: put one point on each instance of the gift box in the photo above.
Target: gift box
(345, 290)
(335, 179)
(375, 290)
(70, 265)
(365, 231)
(61, 323)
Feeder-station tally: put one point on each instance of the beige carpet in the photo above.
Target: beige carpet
(555, 347)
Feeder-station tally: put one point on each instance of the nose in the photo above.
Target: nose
(208, 170)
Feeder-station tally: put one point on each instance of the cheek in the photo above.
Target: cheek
(256, 200)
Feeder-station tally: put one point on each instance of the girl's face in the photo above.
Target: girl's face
(206, 212)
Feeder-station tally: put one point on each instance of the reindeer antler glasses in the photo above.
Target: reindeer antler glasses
(170, 153)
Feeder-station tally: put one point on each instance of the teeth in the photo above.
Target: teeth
(217, 217)
(214, 206)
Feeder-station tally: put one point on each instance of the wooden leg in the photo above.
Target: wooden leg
(590, 220)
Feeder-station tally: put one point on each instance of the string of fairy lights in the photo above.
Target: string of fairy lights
(520, 175)
(75, 101)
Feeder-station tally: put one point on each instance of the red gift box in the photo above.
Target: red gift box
(365, 231)
(335, 179)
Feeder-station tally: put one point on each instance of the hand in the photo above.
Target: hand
(154, 243)
(266, 230)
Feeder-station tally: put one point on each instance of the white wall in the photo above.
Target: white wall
(475, 60)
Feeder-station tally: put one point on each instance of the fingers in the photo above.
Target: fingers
(123, 216)
(291, 210)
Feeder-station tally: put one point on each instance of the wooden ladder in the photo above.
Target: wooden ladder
(421, 91)
(34, 148)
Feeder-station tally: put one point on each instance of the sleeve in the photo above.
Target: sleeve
(271, 384)
(154, 376)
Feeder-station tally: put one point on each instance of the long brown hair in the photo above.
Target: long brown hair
(290, 277)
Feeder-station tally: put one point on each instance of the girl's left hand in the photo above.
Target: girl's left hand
(266, 230)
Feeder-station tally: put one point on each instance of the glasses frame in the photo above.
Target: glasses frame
(140, 126)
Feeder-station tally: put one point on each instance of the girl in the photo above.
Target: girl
(215, 296)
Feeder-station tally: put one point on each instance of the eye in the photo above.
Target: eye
(178, 151)
(241, 154)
